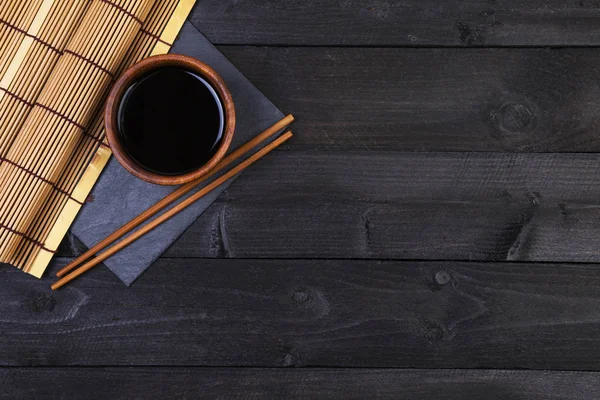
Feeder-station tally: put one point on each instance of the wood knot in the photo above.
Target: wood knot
(434, 334)
(442, 278)
(563, 209)
(516, 118)
(290, 358)
(301, 295)
(310, 300)
(470, 35)
(487, 12)
(43, 303)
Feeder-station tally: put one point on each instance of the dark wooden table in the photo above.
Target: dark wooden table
(432, 231)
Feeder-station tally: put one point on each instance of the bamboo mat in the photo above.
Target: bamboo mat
(58, 59)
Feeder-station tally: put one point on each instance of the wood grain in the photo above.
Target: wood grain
(281, 313)
(244, 383)
(506, 100)
(461, 206)
(400, 153)
(399, 23)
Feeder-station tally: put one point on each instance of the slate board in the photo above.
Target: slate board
(118, 196)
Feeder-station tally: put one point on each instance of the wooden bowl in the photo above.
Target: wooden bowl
(132, 75)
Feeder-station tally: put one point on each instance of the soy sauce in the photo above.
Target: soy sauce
(171, 121)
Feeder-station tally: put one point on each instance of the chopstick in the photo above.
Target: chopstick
(173, 211)
(278, 126)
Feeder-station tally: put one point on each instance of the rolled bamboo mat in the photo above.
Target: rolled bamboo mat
(62, 57)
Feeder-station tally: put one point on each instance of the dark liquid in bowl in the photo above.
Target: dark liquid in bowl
(171, 121)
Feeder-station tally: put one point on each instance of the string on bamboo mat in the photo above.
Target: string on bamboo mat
(58, 60)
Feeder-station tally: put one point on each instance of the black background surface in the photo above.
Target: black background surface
(430, 232)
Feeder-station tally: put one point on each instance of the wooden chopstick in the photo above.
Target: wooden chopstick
(167, 200)
(173, 211)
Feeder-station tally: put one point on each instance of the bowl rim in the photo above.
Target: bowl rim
(132, 75)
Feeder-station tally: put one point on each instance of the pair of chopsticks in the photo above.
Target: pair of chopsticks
(68, 273)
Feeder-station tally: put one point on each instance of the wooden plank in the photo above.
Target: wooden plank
(275, 313)
(246, 383)
(515, 100)
(400, 23)
(460, 206)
